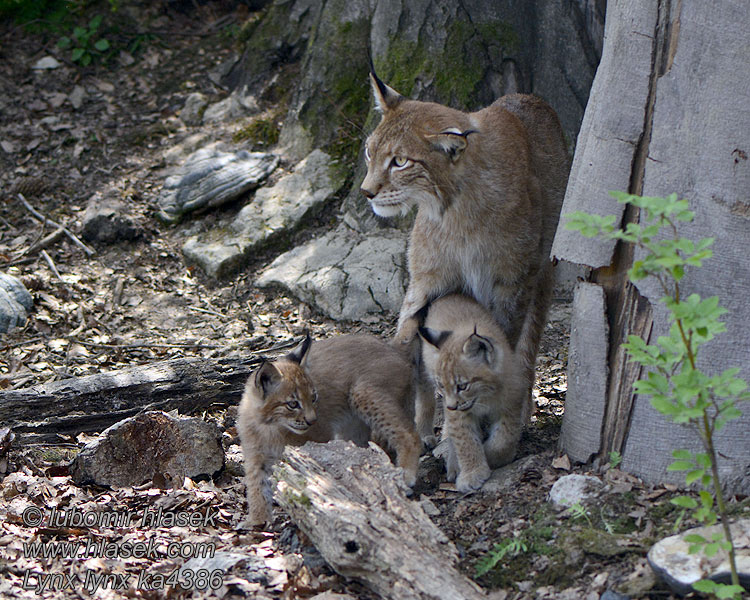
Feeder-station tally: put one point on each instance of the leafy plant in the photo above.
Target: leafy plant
(615, 459)
(578, 511)
(511, 546)
(678, 389)
(83, 42)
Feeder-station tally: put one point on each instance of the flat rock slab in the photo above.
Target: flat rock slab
(154, 443)
(345, 274)
(672, 561)
(210, 178)
(274, 210)
(15, 302)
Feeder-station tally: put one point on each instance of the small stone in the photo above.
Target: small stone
(151, 444)
(15, 302)
(8, 147)
(573, 489)
(77, 96)
(672, 561)
(46, 63)
(192, 112)
(106, 221)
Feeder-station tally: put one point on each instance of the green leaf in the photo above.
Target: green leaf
(694, 538)
(86, 59)
(681, 465)
(80, 34)
(684, 502)
(707, 500)
(102, 45)
(94, 23)
(682, 454)
(77, 54)
(64, 43)
(694, 476)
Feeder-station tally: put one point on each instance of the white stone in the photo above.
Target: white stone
(46, 63)
(573, 489)
(672, 561)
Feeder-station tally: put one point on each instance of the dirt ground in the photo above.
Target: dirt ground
(70, 132)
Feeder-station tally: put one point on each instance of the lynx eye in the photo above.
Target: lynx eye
(461, 386)
(293, 405)
(315, 397)
(399, 162)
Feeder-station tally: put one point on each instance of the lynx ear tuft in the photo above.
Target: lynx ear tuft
(452, 141)
(267, 378)
(480, 348)
(433, 336)
(386, 98)
(298, 354)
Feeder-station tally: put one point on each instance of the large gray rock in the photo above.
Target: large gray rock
(276, 209)
(154, 443)
(672, 561)
(210, 178)
(573, 489)
(107, 221)
(345, 274)
(15, 303)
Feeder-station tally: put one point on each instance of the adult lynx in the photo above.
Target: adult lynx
(352, 387)
(488, 186)
(469, 362)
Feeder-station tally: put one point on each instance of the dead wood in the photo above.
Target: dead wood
(351, 502)
(94, 402)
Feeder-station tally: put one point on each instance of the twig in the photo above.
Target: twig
(22, 343)
(45, 242)
(44, 219)
(196, 345)
(207, 311)
(52, 265)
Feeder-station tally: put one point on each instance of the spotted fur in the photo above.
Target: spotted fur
(353, 387)
(470, 366)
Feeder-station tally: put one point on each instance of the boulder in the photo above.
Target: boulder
(192, 112)
(15, 303)
(345, 274)
(274, 210)
(211, 177)
(152, 444)
(672, 561)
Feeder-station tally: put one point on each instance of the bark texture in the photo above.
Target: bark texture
(351, 502)
(669, 112)
(94, 402)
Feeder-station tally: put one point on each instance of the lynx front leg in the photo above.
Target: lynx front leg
(258, 506)
(502, 444)
(463, 432)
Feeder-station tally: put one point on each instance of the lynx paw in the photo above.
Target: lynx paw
(469, 481)
(430, 441)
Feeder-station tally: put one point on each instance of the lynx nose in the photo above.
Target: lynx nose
(368, 193)
(311, 417)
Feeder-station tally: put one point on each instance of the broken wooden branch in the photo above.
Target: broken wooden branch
(351, 502)
(40, 217)
(94, 402)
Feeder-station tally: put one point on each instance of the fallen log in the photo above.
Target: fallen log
(351, 502)
(94, 402)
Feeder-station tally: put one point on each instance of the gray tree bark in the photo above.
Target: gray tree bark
(94, 402)
(351, 502)
(668, 112)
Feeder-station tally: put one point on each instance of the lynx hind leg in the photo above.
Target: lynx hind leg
(390, 422)
(425, 411)
(465, 436)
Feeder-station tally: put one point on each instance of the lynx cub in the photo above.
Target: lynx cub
(350, 387)
(469, 361)
(488, 186)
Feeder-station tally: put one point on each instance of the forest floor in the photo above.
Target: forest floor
(70, 132)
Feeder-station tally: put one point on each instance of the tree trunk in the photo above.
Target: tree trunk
(351, 503)
(94, 402)
(463, 54)
(668, 112)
